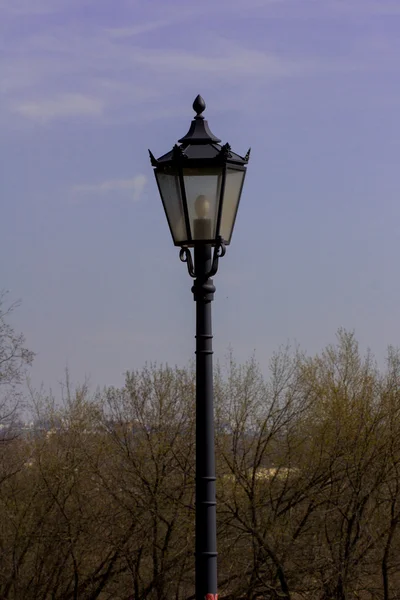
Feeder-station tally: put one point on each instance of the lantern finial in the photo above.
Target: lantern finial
(199, 105)
(199, 132)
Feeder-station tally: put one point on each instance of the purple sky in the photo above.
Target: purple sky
(86, 87)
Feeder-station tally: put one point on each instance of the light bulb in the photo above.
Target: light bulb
(202, 207)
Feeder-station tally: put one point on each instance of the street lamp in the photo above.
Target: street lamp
(200, 184)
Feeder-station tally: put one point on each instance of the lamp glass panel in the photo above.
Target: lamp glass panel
(168, 183)
(203, 190)
(233, 187)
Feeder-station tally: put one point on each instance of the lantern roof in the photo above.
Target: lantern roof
(199, 132)
(199, 144)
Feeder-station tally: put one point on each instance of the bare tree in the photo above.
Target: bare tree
(14, 359)
(308, 485)
(152, 434)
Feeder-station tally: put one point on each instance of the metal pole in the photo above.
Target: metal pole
(206, 522)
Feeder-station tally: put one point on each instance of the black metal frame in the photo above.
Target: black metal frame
(199, 149)
(178, 168)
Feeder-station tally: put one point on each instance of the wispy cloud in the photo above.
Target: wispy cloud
(184, 11)
(228, 61)
(120, 76)
(27, 7)
(134, 186)
(152, 25)
(366, 7)
(64, 105)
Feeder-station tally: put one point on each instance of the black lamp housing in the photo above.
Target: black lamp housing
(200, 184)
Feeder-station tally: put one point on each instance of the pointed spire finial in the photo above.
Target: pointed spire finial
(199, 105)
(199, 132)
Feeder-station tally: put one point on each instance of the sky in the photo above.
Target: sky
(87, 86)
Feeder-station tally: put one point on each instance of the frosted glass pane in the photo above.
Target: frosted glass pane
(203, 189)
(172, 200)
(233, 188)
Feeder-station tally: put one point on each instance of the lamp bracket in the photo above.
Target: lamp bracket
(186, 257)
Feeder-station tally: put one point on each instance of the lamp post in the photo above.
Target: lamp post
(200, 184)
